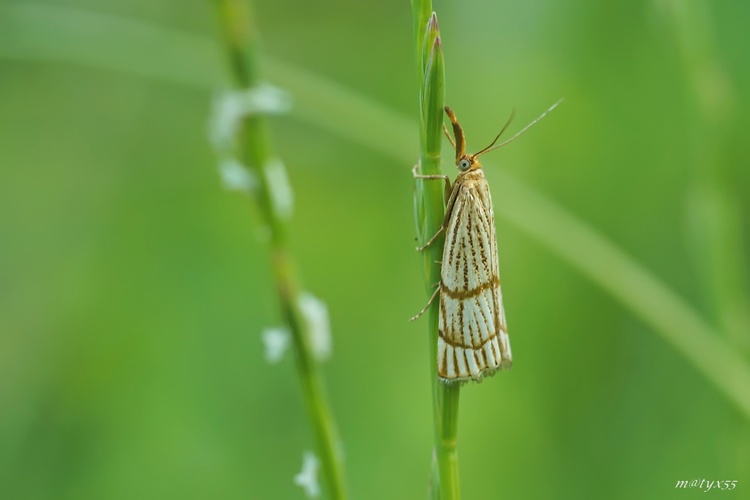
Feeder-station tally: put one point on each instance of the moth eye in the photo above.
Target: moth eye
(464, 164)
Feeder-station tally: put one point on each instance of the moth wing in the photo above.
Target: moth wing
(473, 340)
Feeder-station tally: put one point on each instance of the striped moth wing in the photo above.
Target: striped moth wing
(473, 337)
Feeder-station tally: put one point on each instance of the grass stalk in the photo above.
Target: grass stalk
(429, 211)
(241, 43)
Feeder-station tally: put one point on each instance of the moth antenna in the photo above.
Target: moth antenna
(527, 127)
(512, 114)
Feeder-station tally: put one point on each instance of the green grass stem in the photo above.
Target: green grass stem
(429, 210)
(241, 43)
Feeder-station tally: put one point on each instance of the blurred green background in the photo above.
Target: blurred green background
(133, 287)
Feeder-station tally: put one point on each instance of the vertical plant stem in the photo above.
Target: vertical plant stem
(429, 209)
(447, 440)
(241, 42)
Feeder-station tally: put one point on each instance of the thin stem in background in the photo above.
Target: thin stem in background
(58, 34)
(241, 43)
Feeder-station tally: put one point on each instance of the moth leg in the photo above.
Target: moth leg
(448, 210)
(448, 192)
(445, 131)
(429, 302)
(434, 237)
(434, 177)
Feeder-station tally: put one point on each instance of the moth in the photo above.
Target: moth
(473, 337)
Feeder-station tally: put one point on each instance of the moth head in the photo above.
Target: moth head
(466, 162)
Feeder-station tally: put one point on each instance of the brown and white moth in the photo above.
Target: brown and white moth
(473, 335)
